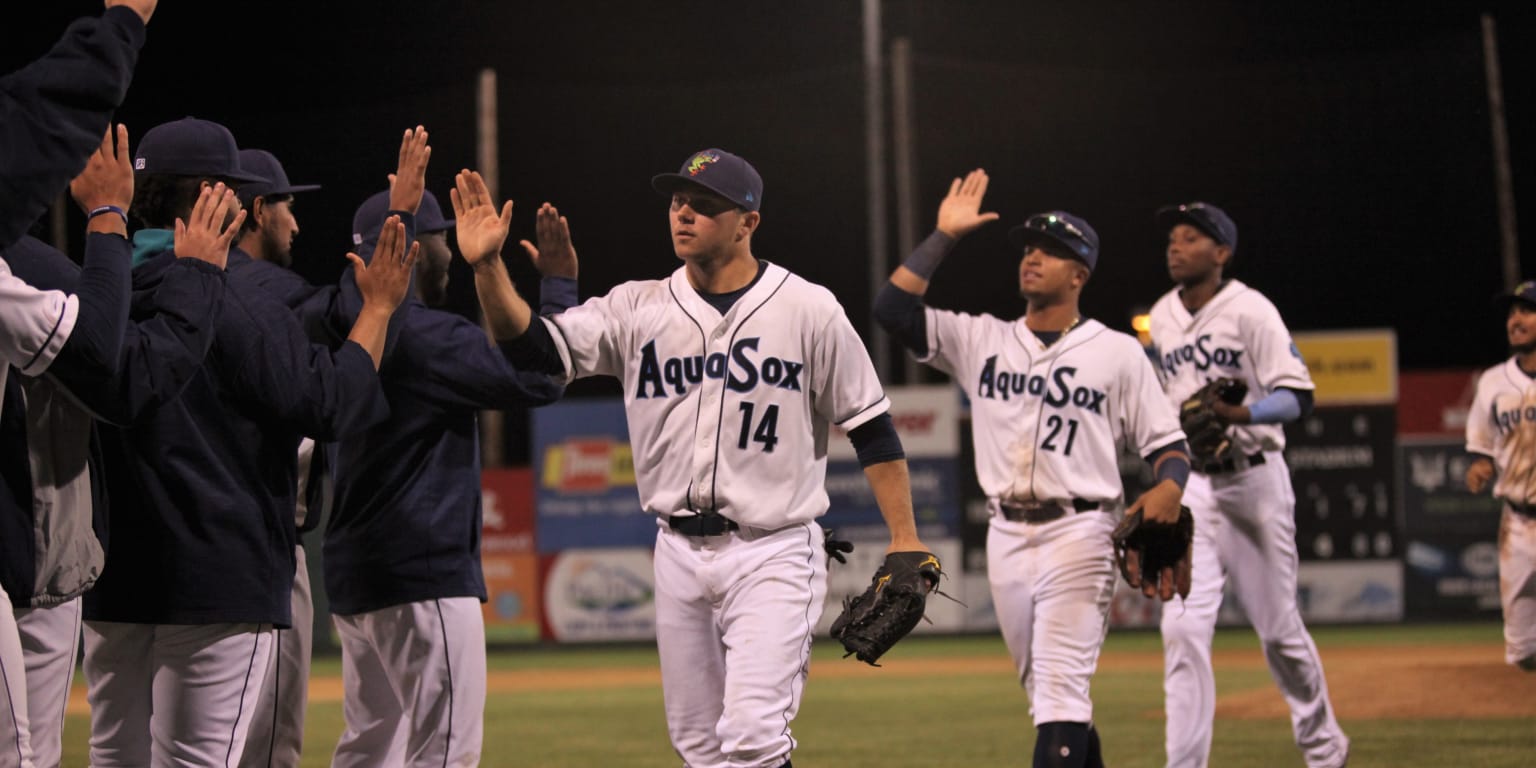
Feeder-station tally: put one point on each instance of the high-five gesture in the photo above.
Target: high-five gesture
(106, 183)
(204, 235)
(554, 256)
(480, 230)
(410, 177)
(960, 212)
(384, 283)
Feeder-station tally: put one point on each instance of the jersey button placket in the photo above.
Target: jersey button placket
(711, 391)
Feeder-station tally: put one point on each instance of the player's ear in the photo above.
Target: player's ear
(749, 222)
(1223, 255)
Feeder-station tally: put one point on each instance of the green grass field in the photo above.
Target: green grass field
(972, 712)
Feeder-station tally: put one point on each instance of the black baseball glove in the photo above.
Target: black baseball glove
(872, 622)
(1204, 428)
(1154, 557)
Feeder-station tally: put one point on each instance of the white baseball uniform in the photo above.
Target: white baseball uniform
(1048, 423)
(729, 415)
(1245, 526)
(1502, 426)
(34, 325)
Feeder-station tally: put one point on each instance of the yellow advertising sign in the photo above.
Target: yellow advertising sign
(1354, 367)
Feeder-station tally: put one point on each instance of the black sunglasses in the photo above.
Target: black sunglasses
(1062, 230)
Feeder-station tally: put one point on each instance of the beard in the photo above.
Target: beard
(1523, 349)
(279, 250)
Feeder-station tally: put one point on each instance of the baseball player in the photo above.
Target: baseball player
(1209, 327)
(276, 735)
(733, 370)
(402, 546)
(51, 519)
(177, 634)
(1501, 435)
(1053, 398)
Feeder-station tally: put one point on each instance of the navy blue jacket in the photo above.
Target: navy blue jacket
(54, 111)
(162, 351)
(406, 522)
(203, 488)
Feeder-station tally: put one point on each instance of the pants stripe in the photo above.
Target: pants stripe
(250, 666)
(448, 663)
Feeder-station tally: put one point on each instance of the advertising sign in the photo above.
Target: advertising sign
(585, 469)
(1451, 562)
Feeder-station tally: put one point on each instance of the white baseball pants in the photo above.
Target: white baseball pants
(276, 736)
(15, 738)
(734, 617)
(1051, 587)
(413, 677)
(1245, 530)
(166, 695)
(50, 638)
(1517, 587)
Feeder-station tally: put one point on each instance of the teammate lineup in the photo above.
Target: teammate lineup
(185, 373)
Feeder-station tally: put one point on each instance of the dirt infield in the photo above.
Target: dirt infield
(1369, 682)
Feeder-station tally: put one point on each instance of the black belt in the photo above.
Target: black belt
(1233, 464)
(1043, 511)
(704, 524)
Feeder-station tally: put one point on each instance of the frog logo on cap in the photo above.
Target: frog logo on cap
(700, 162)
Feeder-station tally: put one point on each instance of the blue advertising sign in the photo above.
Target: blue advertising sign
(585, 492)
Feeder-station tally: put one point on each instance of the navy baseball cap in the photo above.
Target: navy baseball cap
(718, 171)
(1205, 217)
(1524, 292)
(275, 179)
(369, 218)
(1059, 230)
(191, 147)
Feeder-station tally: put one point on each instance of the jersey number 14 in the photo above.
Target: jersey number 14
(767, 431)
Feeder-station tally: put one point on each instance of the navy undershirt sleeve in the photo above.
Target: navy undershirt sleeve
(902, 315)
(876, 441)
(96, 344)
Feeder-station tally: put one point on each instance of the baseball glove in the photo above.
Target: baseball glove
(1204, 428)
(1154, 557)
(890, 607)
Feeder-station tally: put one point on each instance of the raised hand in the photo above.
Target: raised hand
(410, 177)
(145, 8)
(554, 256)
(204, 236)
(960, 212)
(480, 230)
(384, 283)
(108, 176)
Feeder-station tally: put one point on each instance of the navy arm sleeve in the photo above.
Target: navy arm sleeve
(535, 349)
(876, 441)
(54, 111)
(165, 336)
(450, 361)
(96, 344)
(902, 315)
(263, 356)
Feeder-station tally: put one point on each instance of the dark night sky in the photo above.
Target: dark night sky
(1349, 141)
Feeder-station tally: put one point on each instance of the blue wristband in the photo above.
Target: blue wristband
(107, 209)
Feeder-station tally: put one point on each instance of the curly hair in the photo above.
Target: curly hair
(160, 199)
